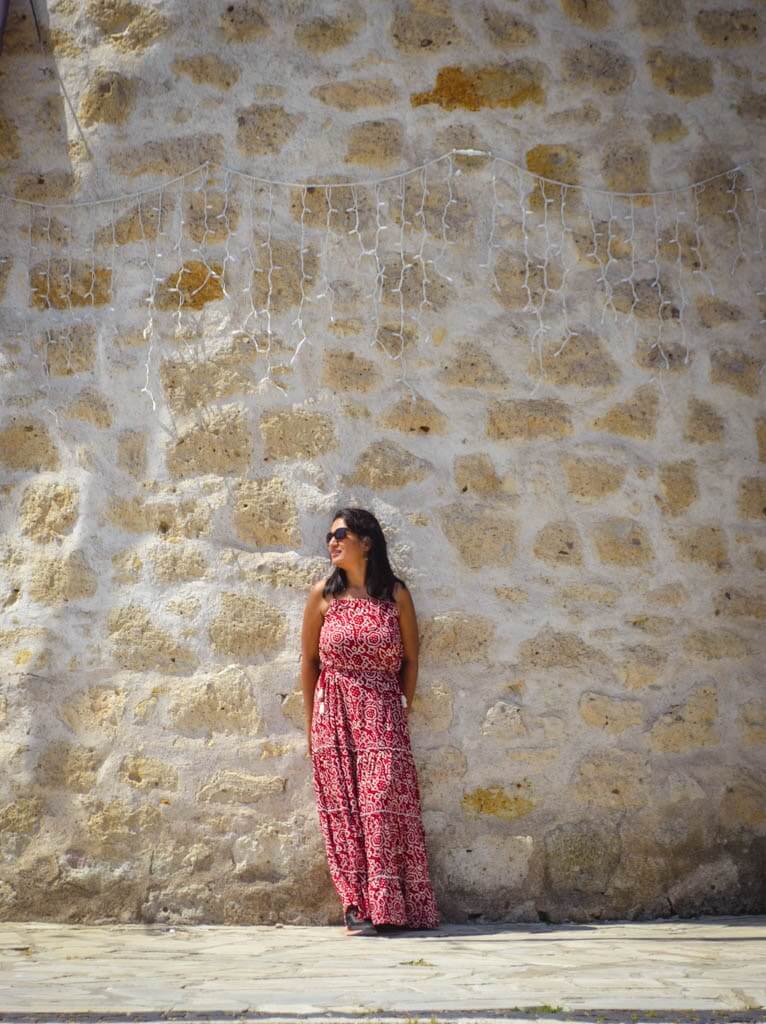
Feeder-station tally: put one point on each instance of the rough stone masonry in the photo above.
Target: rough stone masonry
(587, 564)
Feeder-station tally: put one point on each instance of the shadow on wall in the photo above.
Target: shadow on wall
(34, 107)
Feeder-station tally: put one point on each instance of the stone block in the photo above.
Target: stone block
(591, 14)
(505, 802)
(168, 518)
(265, 513)
(46, 187)
(208, 69)
(281, 278)
(297, 434)
(611, 715)
(246, 627)
(90, 406)
(486, 867)
(736, 369)
(191, 383)
(522, 282)
(420, 26)
(49, 510)
(600, 65)
(582, 362)
(500, 86)
(431, 709)
(715, 312)
(641, 666)
(222, 445)
(375, 143)
(680, 489)
(357, 94)
(475, 474)
(131, 452)
(141, 646)
(168, 157)
(734, 602)
(97, 709)
(705, 545)
(589, 480)
(620, 540)
(703, 423)
(528, 419)
(551, 648)
(64, 285)
(480, 536)
(10, 148)
(243, 22)
(687, 726)
(233, 787)
(636, 417)
(504, 721)
(558, 543)
(680, 74)
(148, 773)
(507, 30)
(57, 581)
(108, 99)
(613, 780)
(323, 34)
(192, 286)
(265, 128)
(760, 437)
(720, 27)
(581, 857)
(751, 498)
(456, 638)
(414, 415)
(473, 367)
(703, 645)
(69, 351)
(667, 128)
(173, 562)
(752, 722)
(64, 765)
(128, 26)
(384, 465)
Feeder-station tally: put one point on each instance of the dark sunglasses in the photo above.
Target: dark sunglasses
(338, 534)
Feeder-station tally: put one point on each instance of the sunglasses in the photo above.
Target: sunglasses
(338, 534)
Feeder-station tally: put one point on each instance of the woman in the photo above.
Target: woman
(359, 657)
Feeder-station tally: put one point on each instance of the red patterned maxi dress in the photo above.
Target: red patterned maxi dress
(364, 775)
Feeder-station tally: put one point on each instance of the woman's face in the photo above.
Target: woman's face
(351, 550)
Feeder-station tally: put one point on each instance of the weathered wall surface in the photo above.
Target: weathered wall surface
(582, 527)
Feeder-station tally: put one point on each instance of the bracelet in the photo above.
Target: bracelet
(404, 701)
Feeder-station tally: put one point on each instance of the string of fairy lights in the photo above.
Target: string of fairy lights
(283, 265)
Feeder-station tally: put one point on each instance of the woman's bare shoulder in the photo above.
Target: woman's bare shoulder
(316, 597)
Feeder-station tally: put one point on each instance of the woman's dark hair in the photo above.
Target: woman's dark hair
(379, 577)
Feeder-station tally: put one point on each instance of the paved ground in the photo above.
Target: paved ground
(704, 969)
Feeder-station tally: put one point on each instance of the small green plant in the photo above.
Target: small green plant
(415, 963)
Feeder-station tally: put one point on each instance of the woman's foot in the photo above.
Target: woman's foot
(356, 924)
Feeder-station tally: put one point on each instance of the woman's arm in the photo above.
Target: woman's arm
(408, 625)
(310, 663)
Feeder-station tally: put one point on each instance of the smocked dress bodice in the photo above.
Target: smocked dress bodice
(360, 637)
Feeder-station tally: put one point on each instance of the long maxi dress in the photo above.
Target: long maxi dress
(364, 775)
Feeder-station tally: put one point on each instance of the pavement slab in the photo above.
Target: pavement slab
(701, 970)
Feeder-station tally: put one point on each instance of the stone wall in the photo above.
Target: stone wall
(581, 525)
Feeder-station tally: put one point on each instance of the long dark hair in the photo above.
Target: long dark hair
(379, 577)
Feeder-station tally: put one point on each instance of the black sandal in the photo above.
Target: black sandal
(357, 925)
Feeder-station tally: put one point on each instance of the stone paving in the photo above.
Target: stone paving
(699, 969)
